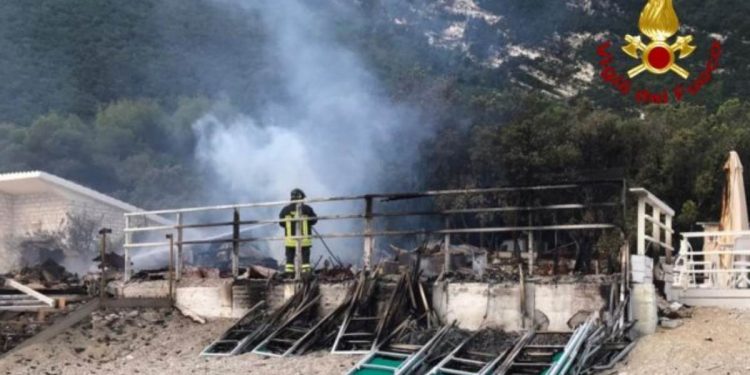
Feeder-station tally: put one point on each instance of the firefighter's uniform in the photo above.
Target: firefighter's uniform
(287, 214)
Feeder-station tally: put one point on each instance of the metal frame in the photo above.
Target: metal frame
(364, 284)
(486, 369)
(239, 344)
(410, 360)
(368, 218)
(261, 348)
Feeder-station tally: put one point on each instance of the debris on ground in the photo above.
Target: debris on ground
(112, 260)
(18, 326)
(670, 323)
(258, 272)
(47, 275)
(672, 310)
(15, 327)
(163, 342)
(335, 274)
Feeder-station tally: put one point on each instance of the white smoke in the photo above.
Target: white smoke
(335, 132)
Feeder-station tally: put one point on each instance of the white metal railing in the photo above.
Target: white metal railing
(653, 211)
(724, 261)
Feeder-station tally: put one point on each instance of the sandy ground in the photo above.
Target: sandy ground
(130, 342)
(153, 342)
(713, 341)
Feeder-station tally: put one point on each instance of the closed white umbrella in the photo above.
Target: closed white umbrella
(733, 210)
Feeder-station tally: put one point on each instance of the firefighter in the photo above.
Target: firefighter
(288, 213)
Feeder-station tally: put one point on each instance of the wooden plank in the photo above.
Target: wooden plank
(25, 289)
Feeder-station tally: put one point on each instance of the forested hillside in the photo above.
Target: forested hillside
(107, 92)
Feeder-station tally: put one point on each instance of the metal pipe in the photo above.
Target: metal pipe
(389, 196)
(325, 245)
(298, 243)
(235, 244)
(178, 275)
(447, 247)
(397, 233)
(383, 214)
(716, 234)
(170, 267)
(149, 229)
(126, 256)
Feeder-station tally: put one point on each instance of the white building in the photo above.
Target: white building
(33, 202)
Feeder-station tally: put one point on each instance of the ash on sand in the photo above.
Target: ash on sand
(492, 340)
(16, 326)
(713, 341)
(148, 341)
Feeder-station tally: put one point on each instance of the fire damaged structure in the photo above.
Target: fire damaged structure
(505, 280)
(547, 268)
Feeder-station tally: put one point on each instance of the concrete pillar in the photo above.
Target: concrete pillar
(643, 305)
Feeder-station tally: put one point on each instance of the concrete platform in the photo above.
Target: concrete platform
(712, 297)
(224, 298)
(472, 304)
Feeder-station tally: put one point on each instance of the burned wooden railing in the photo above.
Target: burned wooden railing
(531, 211)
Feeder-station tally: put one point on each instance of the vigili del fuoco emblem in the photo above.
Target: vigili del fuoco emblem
(659, 23)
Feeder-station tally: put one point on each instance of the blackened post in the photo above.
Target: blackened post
(298, 242)
(103, 262)
(236, 244)
(531, 246)
(556, 262)
(369, 240)
(171, 266)
(447, 247)
(178, 261)
(128, 241)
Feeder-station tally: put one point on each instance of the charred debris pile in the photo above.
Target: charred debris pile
(392, 323)
(48, 275)
(474, 264)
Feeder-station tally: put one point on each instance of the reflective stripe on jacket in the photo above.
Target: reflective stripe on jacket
(290, 231)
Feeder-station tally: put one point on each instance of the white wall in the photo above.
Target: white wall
(7, 260)
(6, 215)
(109, 216)
(38, 212)
(475, 304)
(24, 214)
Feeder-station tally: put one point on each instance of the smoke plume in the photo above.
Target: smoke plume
(334, 132)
